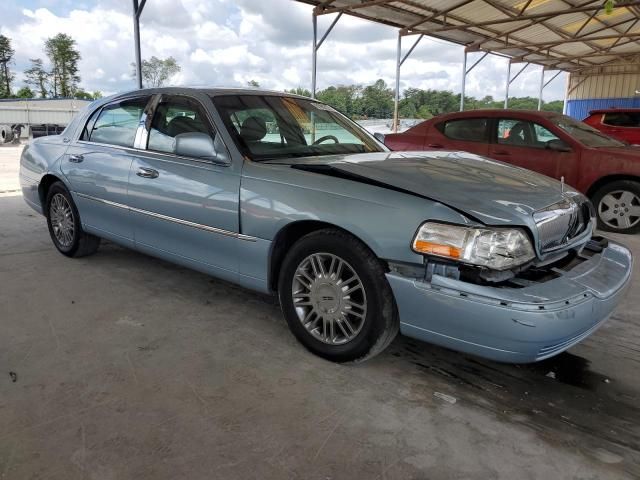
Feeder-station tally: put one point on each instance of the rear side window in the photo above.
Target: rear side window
(465, 129)
(622, 119)
(116, 123)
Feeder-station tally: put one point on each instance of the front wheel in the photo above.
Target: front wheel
(64, 224)
(335, 297)
(618, 206)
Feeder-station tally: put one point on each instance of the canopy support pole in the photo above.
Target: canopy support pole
(541, 88)
(399, 61)
(137, 11)
(465, 72)
(316, 45)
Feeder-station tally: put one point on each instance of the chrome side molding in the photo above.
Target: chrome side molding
(167, 218)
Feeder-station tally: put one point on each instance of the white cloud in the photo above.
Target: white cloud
(226, 42)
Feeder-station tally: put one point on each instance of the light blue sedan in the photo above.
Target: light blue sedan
(283, 194)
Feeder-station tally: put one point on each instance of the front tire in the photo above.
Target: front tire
(335, 297)
(64, 224)
(618, 206)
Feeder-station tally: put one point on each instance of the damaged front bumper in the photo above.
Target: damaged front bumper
(517, 323)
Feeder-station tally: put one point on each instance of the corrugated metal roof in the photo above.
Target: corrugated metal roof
(570, 35)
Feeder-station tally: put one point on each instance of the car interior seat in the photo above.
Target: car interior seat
(253, 129)
(519, 134)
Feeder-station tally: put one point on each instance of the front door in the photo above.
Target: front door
(526, 144)
(97, 167)
(185, 206)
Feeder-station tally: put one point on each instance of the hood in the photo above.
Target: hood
(487, 190)
(629, 152)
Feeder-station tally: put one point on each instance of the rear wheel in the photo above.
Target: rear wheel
(335, 297)
(64, 224)
(618, 206)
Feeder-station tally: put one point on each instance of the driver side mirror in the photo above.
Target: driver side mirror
(199, 145)
(558, 145)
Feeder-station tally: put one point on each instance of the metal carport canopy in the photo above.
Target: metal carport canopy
(566, 35)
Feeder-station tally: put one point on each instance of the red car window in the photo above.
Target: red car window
(466, 129)
(622, 119)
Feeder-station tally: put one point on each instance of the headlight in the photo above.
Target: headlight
(498, 249)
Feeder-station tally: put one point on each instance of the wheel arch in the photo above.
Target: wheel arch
(290, 234)
(43, 187)
(601, 182)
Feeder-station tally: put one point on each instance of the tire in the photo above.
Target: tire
(64, 224)
(617, 206)
(348, 318)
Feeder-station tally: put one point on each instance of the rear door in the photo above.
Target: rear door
(526, 144)
(466, 134)
(183, 206)
(97, 166)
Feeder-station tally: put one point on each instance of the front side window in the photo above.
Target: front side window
(269, 127)
(622, 119)
(583, 133)
(465, 129)
(523, 133)
(177, 115)
(116, 123)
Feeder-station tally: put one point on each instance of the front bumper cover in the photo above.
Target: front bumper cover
(517, 325)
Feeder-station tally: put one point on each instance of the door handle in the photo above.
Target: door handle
(434, 145)
(147, 172)
(76, 158)
(501, 152)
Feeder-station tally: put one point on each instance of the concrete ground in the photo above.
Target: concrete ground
(121, 366)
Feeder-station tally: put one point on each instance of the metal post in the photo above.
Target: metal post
(137, 11)
(396, 118)
(314, 54)
(464, 77)
(541, 88)
(566, 93)
(506, 87)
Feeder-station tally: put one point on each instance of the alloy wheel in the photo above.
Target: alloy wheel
(329, 298)
(619, 209)
(62, 222)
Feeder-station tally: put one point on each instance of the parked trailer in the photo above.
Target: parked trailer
(36, 117)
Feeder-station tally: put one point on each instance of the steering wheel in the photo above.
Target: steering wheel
(326, 137)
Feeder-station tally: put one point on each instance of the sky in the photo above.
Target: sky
(229, 42)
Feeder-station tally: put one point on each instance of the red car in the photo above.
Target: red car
(605, 169)
(620, 123)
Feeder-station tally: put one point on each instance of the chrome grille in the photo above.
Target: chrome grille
(560, 223)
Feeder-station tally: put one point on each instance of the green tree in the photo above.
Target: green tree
(25, 92)
(37, 77)
(253, 83)
(64, 57)
(97, 94)
(80, 94)
(376, 101)
(343, 98)
(156, 71)
(6, 77)
(299, 91)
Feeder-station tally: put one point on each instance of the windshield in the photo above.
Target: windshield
(272, 127)
(585, 134)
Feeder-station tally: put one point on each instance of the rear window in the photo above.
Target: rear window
(116, 123)
(622, 119)
(465, 129)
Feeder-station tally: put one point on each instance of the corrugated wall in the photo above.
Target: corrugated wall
(603, 87)
(579, 109)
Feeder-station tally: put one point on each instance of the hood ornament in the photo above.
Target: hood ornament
(562, 185)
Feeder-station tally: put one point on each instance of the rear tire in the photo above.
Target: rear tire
(335, 297)
(64, 224)
(617, 206)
